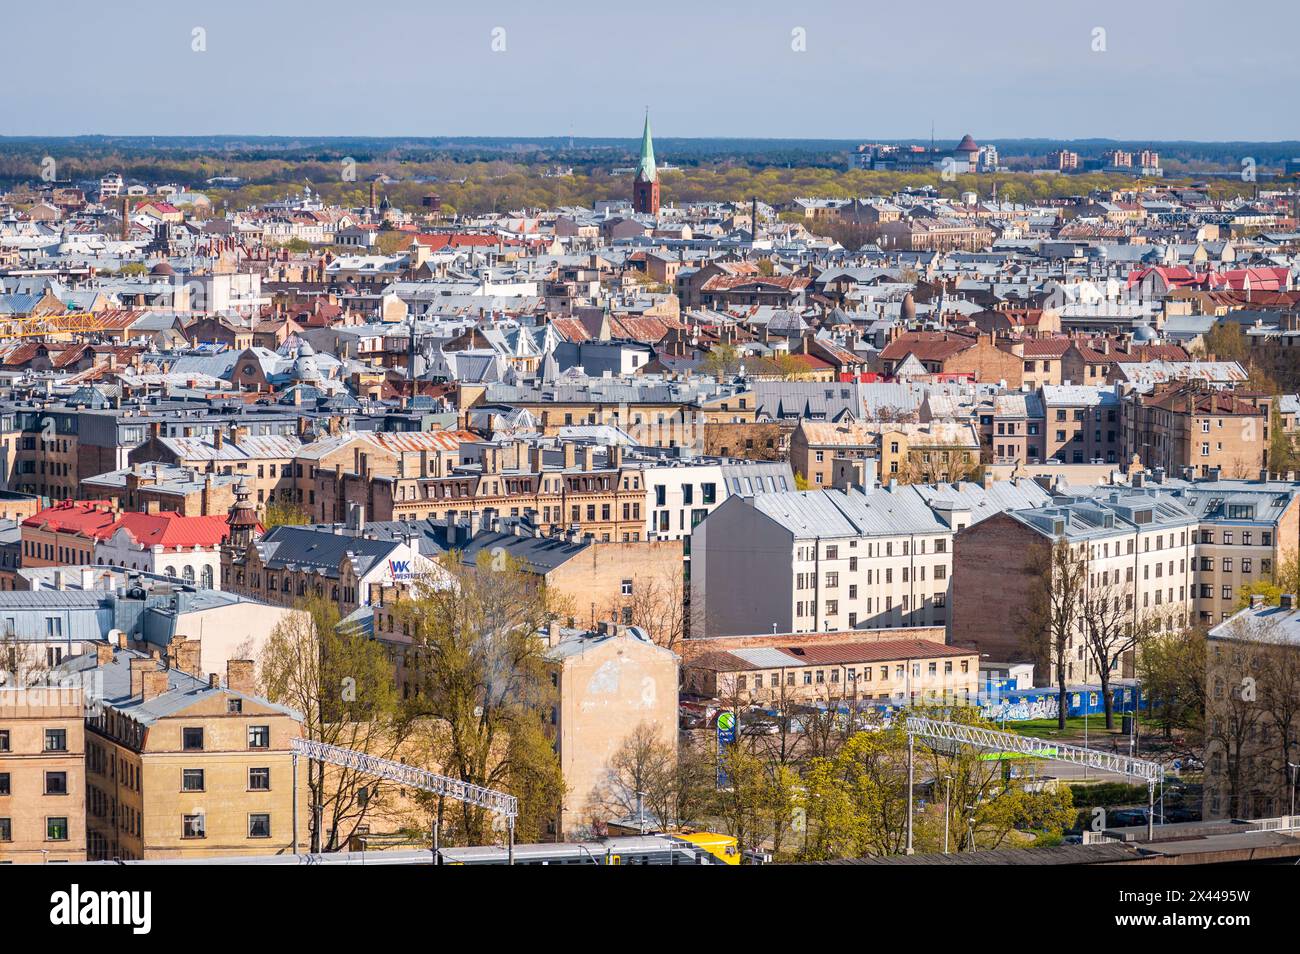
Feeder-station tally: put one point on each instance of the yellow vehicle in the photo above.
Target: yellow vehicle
(720, 847)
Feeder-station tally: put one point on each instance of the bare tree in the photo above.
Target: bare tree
(21, 663)
(1278, 666)
(1113, 628)
(1049, 620)
(658, 606)
(1235, 714)
(641, 773)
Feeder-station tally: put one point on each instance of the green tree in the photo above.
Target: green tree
(341, 682)
(1226, 342)
(856, 800)
(722, 360)
(482, 671)
(1285, 578)
(278, 513)
(1172, 669)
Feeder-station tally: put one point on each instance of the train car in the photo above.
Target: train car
(703, 848)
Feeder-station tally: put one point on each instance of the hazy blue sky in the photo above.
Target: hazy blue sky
(1198, 69)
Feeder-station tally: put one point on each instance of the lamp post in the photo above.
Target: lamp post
(947, 809)
(1295, 772)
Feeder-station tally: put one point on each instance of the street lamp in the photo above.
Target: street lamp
(1295, 772)
(947, 809)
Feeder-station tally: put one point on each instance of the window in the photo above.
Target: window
(192, 740)
(56, 783)
(191, 780)
(259, 780)
(627, 587)
(259, 825)
(234, 706)
(6, 830)
(4, 784)
(56, 829)
(4, 740)
(192, 826)
(259, 736)
(56, 740)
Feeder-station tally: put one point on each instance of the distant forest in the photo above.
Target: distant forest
(479, 174)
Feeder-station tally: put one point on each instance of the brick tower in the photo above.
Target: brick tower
(645, 184)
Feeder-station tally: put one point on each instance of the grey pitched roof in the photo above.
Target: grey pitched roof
(312, 548)
(183, 689)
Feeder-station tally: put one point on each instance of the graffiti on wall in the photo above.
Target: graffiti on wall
(998, 709)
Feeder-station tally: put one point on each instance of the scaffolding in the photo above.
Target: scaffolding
(933, 730)
(499, 803)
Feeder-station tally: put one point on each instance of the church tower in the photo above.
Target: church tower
(244, 529)
(645, 184)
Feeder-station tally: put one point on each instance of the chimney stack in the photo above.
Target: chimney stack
(155, 684)
(138, 669)
(240, 676)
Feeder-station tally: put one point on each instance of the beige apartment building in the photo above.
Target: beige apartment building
(1252, 682)
(607, 683)
(1189, 425)
(897, 671)
(183, 767)
(1248, 530)
(42, 775)
(935, 450)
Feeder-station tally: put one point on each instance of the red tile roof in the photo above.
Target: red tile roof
(170, 531)
(926, 345)
(84, 517)
(1046, 347)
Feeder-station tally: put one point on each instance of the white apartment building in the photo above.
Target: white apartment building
(834, 560)
(681, 493)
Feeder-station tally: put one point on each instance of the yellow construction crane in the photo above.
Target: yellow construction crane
(46, 326)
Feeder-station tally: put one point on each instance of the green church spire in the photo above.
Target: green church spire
(645, 169)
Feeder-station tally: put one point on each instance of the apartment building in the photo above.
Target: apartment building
(1252, 682)
(269, 463)
(681, 493)
(905, 451)
(178, 766)
(42, 774)
(1187, 424)
(821, 560)
(1247, 530)
(858, 557)
(289, 564)
(582, 486)
(1141, 547)
(1081, 425)
(607, 683)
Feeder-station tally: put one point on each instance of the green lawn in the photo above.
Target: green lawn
(1046, 728)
